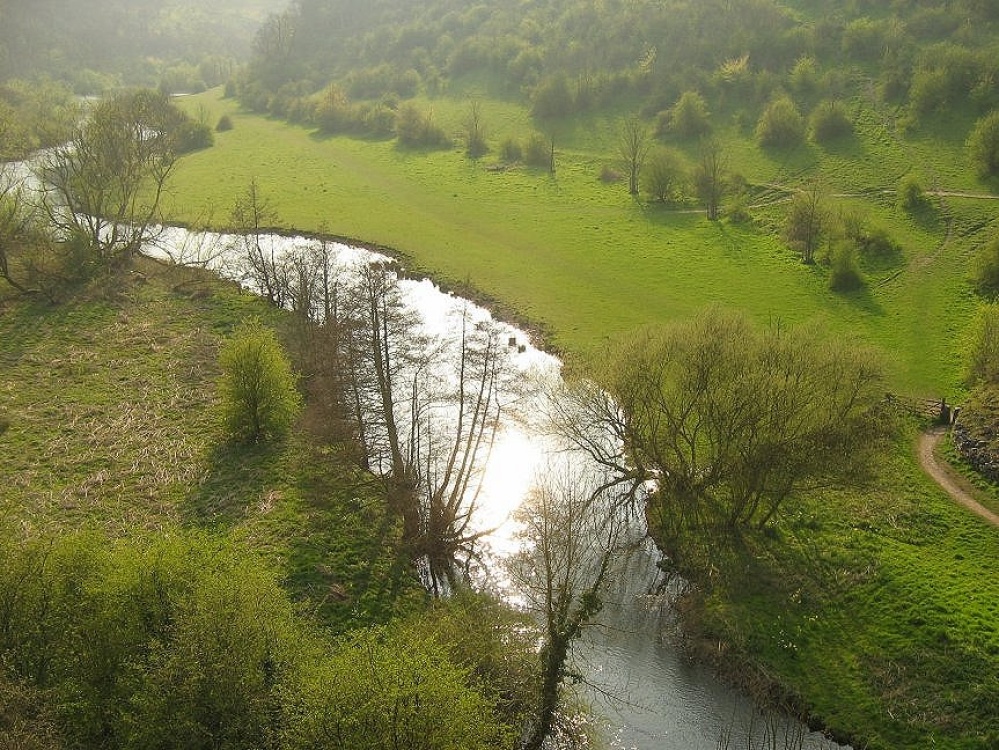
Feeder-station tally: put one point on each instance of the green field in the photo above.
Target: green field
(874, 608)
(583, 260)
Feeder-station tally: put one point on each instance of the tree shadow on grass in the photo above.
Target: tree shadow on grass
(238, 475)
(345, 554)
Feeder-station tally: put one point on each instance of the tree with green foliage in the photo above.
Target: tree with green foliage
(732, 422)
(983, 360)
(257, 388)
(781, 124)
(106, 184)
(986, 273)
(983, 146)
(689, 117)
(664, 176)
(830, 121)
(844, 270)
(911, 197)
(391, 688)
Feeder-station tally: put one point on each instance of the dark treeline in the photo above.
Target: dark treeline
(569, 55)
(93, 44)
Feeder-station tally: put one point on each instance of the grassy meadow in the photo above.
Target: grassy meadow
(875, 608)
(582, 260)
(112, 425)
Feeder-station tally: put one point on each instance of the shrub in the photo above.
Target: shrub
(983, 366)
(538, 152)
(259, 399)
(224, 124)
(510, 150)
(689, 117)
(830, 121)
(781, 124)
(193, 136)
(911, 197)
(845, 273)
(552, 98)
(417, 130)
(664, 176)
(986, 274)
(983, 145)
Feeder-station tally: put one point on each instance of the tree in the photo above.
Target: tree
(259, 398)
(805, 224)
(105, 185)
(709, 177)
(252, 214)
(983, 146)
(664, 175)
(781, 124)
(573, 536)
(633, 147)
(986, 274)
(475, 139)
(689, 117)
(426, 411)
(729, 421)
(16, 220)
(830, 121)
(388, 688)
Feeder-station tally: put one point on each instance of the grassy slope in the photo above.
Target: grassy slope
(113, 426)
(880, 608)
(887, 615)
(586, 261)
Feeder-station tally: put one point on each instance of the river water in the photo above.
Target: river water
(644, 693)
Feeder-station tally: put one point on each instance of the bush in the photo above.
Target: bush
(781, 124)
(510, 150)
(154, 645)
(983, 146)
(417, 130)
(845, 273)
(911, 197)
(983, 366)
(538, 152)
(986, 274)
(193, 136)
(224, 124)
(689, 117)
(830, 121)
(388, 688)
(664, 176)
(259, 399)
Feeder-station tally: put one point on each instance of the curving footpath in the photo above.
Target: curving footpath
(942, 474)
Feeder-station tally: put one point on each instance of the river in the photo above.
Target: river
(644, 693)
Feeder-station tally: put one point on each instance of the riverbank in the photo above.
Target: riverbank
(872, 605)
(580, 257)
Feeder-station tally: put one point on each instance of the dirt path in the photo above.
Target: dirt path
(954, 485)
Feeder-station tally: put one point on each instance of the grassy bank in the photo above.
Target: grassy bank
(112, 425)
(876, 610)
(875, 607)
(584, 260)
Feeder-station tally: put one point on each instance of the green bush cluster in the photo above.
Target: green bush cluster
(257, 388)
(187, 642)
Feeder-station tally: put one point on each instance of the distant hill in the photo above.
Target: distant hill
(567, 56)
(128, 41)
